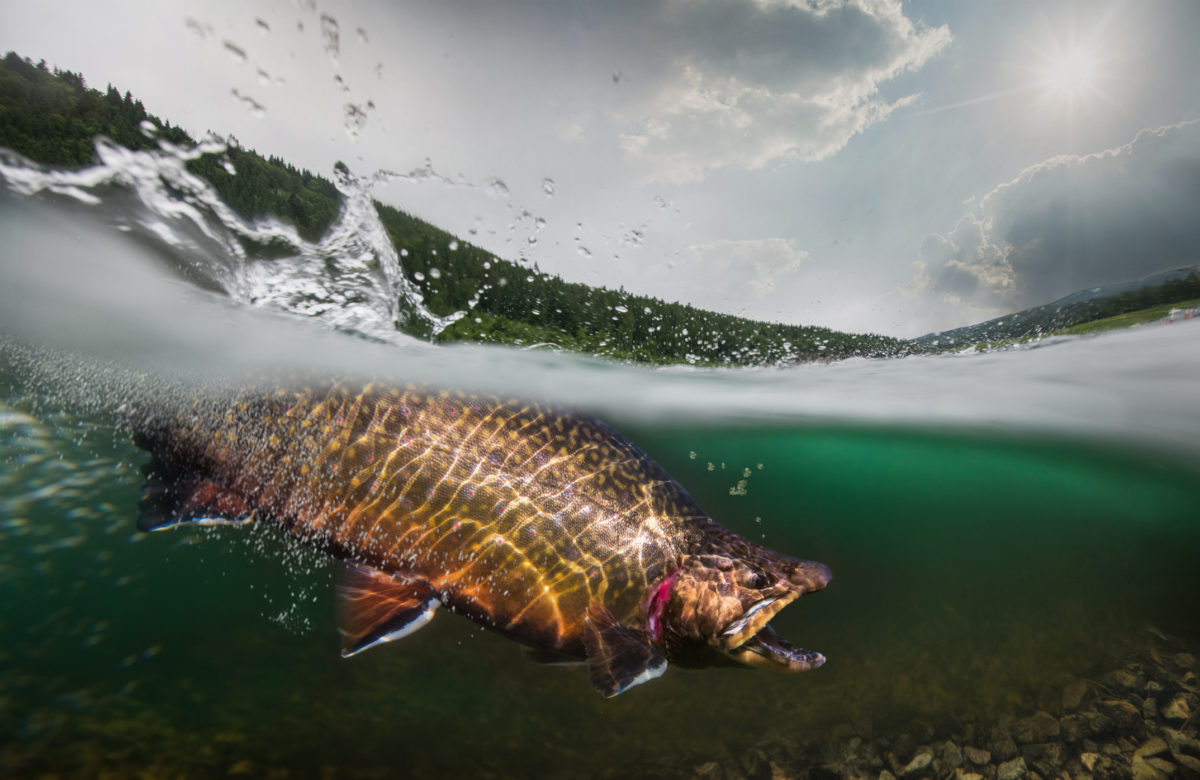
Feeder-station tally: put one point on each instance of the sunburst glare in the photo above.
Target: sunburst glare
(1071, 74)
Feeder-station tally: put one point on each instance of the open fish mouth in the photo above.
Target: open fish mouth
(768, 650)
(751, 640)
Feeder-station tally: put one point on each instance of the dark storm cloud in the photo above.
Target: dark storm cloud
(1074, 222)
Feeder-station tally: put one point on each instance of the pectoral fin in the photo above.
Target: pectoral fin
(375, 607)
(167, 502)
(618, 657)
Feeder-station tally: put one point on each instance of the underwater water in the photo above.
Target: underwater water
(1000, 525)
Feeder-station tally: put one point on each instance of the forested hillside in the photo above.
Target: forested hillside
(51, 116)
(1095, 304)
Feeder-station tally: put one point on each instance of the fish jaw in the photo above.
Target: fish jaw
(754, 620)
(720, 608)
(767, 650)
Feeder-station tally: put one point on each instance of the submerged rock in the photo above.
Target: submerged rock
(1012, 770)
(1177, 710)
(977, 756)
(1073, 694)
(918, 764)
(1001, 744)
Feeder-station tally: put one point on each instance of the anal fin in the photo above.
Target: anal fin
(375, 607)
(618, 657)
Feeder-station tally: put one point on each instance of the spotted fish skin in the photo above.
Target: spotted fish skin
(546, 526)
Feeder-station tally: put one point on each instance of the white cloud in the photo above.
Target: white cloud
(750, 82)
(1072, 222)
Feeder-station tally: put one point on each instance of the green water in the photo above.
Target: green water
(973, 575)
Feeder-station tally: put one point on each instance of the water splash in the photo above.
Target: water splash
(330, 37)
(350, 279)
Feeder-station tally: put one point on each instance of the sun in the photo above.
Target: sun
(1071, 74)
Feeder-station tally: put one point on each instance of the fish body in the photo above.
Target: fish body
(545, 526)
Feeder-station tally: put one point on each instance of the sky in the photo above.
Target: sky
(870, 166)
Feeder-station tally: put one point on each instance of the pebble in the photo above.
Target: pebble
(1151, 747)
(1002, 745)
(952, 755)
(919, 762)
(977, 756)
(1151, 768)
(1073, 693)
(1177, 710)
(1012, 770)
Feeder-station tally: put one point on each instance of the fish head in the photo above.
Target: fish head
(718, 606)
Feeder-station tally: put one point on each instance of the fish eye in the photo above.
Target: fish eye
(755, 580)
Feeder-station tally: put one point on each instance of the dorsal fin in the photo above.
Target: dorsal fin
(375, 607)
(618, 657)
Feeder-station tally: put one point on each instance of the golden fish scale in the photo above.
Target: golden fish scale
(518, 514)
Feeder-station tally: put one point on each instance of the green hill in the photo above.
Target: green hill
(1073, 311)
(52, 117)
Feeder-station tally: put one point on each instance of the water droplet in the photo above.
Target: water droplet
(330, 34)
(621, 309)
(255, 108)
(236, 53)
(584, 251)
(197, 28)
(435, 273)
(264, 78)
(497, 188)
(262, 26)
(420, 277)
(148, 128)
(548, 187)
(362, 35)
(453, 246)
(354, 118)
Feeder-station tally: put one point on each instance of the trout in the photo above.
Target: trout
(546, 526)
